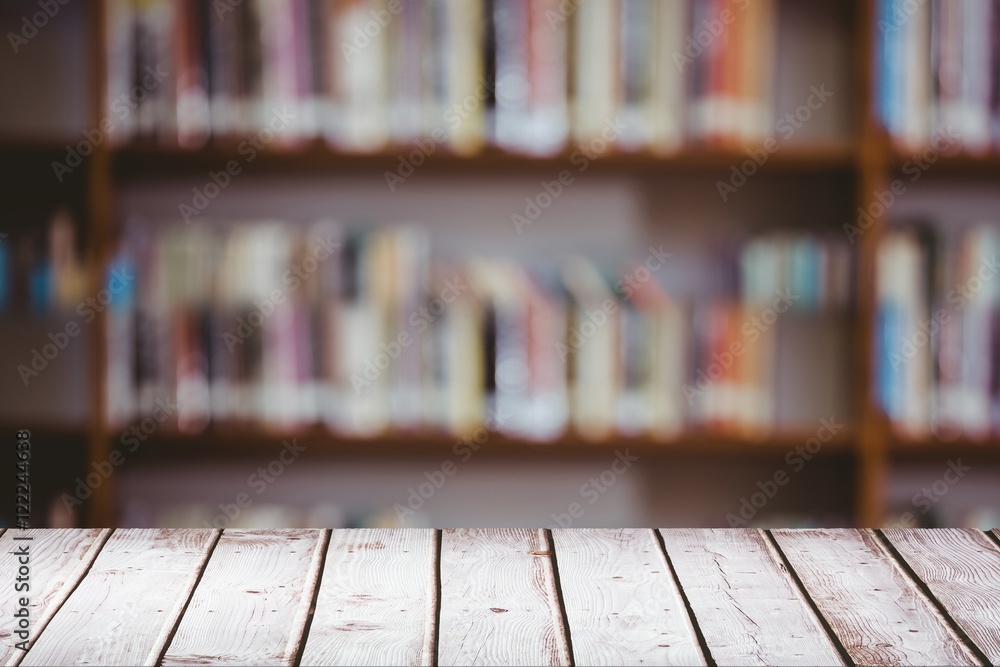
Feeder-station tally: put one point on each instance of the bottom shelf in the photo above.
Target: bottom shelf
(905, 447)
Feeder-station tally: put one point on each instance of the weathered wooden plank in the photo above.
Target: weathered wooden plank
(57, 560)
(747, 606)
(377, 602)
(128, 604)
(499, 604)
(962, 570)
(876, 611)
(251, 604)
(622, 604)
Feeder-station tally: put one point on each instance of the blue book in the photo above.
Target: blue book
(887, 378)
(124, 298)
(40, 288)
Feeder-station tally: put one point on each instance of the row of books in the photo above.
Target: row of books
(41, 266)
(938, 331)
(526, 75)
(364, 331)
(938, 71)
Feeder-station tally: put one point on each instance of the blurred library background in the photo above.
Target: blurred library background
(540, 263)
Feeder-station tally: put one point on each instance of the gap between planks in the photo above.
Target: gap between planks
(307, 626)
(837, 643)
(43, 622)
(922, 586)
(187, 603)
(699, 634)
(560, 600)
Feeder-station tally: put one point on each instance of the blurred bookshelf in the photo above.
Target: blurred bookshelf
(182, 136)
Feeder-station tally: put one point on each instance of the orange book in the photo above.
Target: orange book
(732, 81)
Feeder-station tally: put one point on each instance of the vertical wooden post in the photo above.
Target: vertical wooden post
(101, 509)
(872, 170)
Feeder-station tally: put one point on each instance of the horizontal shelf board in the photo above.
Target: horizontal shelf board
(150, 159)
(11, 147)
(934, 447)
(957, 164)
(43, 430)
(235, 441)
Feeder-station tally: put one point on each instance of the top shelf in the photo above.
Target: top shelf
(149, 159)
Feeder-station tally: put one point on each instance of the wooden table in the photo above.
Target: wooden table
(529, 597)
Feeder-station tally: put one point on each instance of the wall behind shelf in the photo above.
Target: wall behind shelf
(58, 395)
(817, 46)
(46, 84)
(490, 493)
(949, 201)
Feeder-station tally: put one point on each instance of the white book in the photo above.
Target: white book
(120, 62)
(595, 57)
(464, 100)
(513, 81)
(666, 115)
(279, 76)
(360, 63)
(976, 66)
(593, 339)
(670, 353)
(917, 102)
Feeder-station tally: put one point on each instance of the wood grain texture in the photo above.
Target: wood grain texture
(962, 570)
(128, 604)
(377, 601)
(251, 604)
(58, 559)
(499, 604)
(747, 606)
(871, 604)
(622, 605)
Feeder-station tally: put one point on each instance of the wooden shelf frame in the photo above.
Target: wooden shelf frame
(869, 159)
